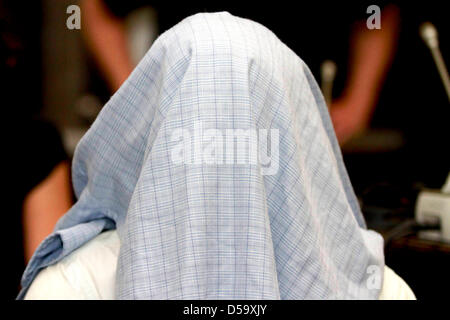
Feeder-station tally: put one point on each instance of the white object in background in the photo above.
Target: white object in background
(71, 136)
(432, 208)
(328, 73)
(429, 35)
(446, 187)
(142, 30)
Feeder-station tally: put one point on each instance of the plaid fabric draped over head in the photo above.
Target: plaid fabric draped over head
(218, 230)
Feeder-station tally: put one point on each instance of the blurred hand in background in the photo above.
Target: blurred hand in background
(371, 54)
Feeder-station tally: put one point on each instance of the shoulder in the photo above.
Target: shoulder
(394, 287)
(88, 273)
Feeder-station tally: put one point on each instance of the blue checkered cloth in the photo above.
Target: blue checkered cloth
(218, 231)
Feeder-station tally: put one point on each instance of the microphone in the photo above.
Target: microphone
(328, 73)
(429, 35)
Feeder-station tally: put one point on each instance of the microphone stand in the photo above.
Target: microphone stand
(430, 36)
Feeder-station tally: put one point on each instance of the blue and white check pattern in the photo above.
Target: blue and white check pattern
(218, 231)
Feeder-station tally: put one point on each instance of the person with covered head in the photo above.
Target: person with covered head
(148, 227)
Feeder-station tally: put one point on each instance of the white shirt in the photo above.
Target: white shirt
(89, 274)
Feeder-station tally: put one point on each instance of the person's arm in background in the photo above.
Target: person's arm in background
(44, 205)
(371, 54)
(106, 38)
